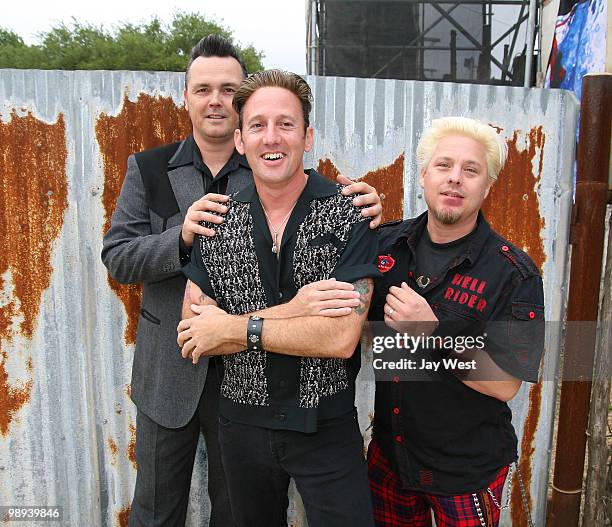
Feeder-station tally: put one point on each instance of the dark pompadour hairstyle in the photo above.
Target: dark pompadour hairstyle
(274, 79)
(214, 46)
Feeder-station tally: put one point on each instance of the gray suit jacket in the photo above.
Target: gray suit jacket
(142, 247)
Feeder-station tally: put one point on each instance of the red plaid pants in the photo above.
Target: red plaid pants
(395, 506)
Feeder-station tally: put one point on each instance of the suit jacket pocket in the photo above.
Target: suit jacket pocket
(150, 317)
(327, 238)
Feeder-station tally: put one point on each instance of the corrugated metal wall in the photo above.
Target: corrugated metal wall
(67, 332)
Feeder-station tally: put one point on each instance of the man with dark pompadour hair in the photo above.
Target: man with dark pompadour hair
(214, 46)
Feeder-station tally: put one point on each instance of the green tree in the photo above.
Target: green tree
(14, 51)
(150, 46)
(8, 38)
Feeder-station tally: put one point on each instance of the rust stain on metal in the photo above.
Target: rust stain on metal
(123, 516)
(131, 448)
(328, 169)
(34, 198)
(512, 206)
(517, 510)
(128, 390)
(388, 181)
(11, 398)
(112, 446)
(7, 312)
(146, 123)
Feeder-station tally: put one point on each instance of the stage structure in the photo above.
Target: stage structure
(493, 42)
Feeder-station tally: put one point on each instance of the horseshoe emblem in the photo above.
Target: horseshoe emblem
(423, 282)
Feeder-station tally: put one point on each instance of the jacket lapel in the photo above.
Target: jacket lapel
(187, 185)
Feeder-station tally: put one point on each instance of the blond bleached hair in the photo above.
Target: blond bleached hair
(495, 147)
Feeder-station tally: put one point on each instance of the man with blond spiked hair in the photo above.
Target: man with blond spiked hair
(443, 438)
(287, 396)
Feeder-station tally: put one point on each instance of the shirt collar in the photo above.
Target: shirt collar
(316, 187)
(413, 231)
(188, 153)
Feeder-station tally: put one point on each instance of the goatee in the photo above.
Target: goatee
(446, 216)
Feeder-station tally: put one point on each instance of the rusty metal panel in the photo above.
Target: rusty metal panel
(67, 426)
(67, 423)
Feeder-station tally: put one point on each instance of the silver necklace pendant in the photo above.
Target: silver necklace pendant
(276, 231)
(275, 242)
(423, 281)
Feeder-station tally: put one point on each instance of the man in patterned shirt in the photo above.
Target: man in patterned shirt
(287, 397)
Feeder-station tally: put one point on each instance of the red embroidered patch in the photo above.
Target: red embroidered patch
(385, 263)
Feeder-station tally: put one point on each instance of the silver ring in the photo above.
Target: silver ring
(391, 311)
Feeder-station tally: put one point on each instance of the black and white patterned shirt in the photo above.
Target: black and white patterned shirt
(325, 237)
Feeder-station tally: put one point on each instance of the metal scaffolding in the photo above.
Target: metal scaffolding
(495, 58)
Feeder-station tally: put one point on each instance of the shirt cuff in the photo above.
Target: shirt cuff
(200, 278)
(356, 272)
(184, 252)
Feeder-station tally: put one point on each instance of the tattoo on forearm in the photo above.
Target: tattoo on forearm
(363, 288)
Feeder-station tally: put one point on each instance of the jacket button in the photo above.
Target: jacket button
(396, 410)
(281, 417)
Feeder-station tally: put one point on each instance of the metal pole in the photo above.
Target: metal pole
(587, 239)
(453, 57)
(531, 22)
(321, 43)
(539, 73)
(506, 51)
(422, 51)
(313, 38)
(514, 37)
